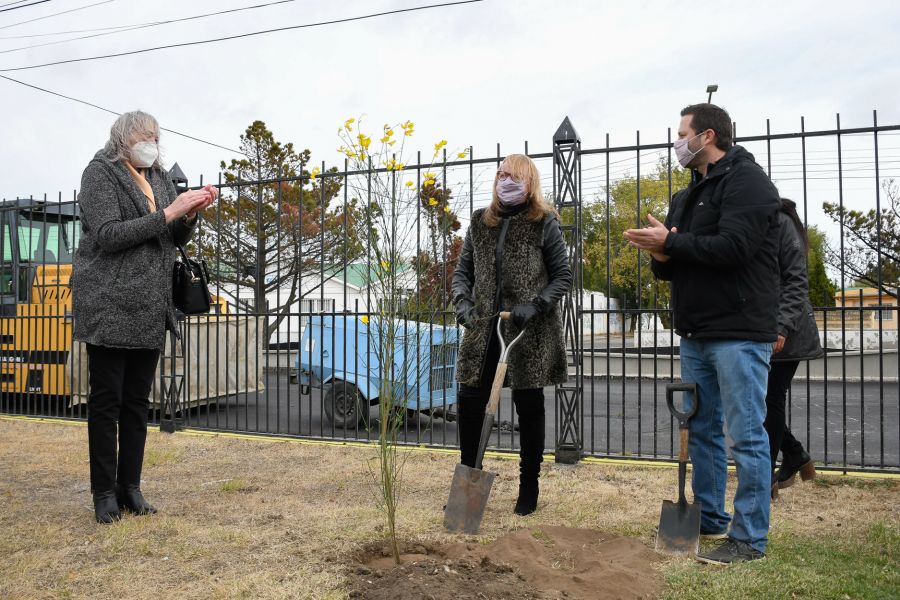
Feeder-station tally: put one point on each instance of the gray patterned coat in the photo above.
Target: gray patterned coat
(535, 267)
(122, 272)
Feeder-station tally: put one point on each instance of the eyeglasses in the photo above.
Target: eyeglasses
(148, 136)
(501, 175)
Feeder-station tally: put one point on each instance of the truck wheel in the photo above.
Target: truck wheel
(344, 406)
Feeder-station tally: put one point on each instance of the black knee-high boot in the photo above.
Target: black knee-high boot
(530, 408)
(471, 402)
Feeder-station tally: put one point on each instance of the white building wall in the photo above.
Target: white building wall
(595, 323)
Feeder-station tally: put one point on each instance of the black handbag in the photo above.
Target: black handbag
(190, 285)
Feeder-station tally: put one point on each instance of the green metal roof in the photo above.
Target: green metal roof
(362, 274)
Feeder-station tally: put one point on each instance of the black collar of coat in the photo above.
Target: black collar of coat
(511, 211)
(734, 156)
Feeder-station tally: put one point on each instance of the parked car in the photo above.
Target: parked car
(340, 355)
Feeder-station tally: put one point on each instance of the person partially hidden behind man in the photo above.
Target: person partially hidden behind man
(718, 247)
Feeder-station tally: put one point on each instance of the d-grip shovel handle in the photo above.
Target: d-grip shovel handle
(496, 387)
(683, 435)
(683, 417)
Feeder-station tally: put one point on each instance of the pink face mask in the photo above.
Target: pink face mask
(510, 192)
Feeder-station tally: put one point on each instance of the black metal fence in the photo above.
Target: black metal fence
(301, 282)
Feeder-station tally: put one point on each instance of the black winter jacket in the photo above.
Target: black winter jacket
(724, 265)
(795, 315)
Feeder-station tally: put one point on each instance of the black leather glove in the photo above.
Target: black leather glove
(466, 314)
(523, 313)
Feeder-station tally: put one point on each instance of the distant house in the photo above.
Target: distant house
(600, 315)
(867, 298)
(354, 289)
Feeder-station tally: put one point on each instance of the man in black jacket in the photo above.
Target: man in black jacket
(718, 248)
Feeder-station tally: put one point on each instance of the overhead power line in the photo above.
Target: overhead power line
(126, 28)
(141, 25)
(65, 12)
(53, 33)
(98, 107)
(3, 10)
(245, 35)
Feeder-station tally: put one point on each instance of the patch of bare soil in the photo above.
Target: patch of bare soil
(548, 562)
(430, 576)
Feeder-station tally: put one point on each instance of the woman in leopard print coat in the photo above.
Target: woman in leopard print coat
(514, 259)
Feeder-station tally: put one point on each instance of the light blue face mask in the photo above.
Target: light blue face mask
(511, 192)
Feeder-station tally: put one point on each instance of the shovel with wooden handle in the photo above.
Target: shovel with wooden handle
(679, 522)
(471, 487)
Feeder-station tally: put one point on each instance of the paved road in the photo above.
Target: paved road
(620, 417)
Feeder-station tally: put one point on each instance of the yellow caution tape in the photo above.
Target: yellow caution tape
(589, 460)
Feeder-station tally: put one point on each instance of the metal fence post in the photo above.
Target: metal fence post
(171, 385)
(567, 194)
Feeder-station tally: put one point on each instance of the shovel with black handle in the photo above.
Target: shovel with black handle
(471, 487)
(679, 522)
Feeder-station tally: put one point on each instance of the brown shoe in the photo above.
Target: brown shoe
(791, 465)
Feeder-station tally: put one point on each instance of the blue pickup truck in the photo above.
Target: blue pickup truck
(340, 355)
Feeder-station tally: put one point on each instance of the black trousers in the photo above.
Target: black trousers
(120, 382)
(471, 403)
(780, 436)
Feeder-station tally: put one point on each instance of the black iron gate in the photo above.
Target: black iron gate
(231, 375)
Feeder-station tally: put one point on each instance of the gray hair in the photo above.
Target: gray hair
(118, 147)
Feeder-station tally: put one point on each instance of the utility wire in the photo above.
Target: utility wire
(98, 107)
(11, 3)
(83, 37)
(125, 28)
(51, 34)
(71, 10)
(245, 35)
(23, 6)
(148, 24)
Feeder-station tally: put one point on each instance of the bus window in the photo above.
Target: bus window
(6, 267)
(71, 231)
(24, 283)
(46, 241)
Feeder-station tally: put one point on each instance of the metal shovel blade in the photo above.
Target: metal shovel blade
(469, 493)
(679, 528)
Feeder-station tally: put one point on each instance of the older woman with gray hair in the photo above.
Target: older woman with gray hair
(132, 220)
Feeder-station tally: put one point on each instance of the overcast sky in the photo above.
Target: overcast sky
(496, 71)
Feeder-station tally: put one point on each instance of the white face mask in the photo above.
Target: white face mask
(683, 152)
(144, 154)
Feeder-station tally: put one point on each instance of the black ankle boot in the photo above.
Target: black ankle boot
(528, 497)
(791, 465)
(130, 498)
(106, 509)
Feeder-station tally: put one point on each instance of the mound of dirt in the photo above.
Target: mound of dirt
(434, 578)
(540, 563)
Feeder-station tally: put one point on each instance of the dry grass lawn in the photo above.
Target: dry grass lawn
(264, 519)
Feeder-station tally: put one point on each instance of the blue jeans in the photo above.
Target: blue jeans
(731, 377)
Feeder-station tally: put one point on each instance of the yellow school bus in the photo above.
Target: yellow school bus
(38, 240)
